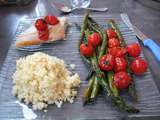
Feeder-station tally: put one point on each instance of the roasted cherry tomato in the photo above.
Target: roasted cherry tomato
(111, 33)
(113, 42)
(51, 19)
(120, 64)
(121, 80)
(106, 62)
(138, 66)
(117, 51)
(133, 49)
(94, 39)
(86, 50)
(43, 35)
(41, 25)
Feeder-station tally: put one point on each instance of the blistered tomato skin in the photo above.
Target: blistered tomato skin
(120, 64)
(106, 62)
(51, 19)
(94, 39)
(113, 42)
(121, 80)
(86, 50)
(138, 66)
(117, 51)
(111, 33)
(133, 49)
(41, 25)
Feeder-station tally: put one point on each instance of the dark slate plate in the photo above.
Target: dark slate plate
(149, 97)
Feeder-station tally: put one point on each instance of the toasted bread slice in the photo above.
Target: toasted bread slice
(30, 36)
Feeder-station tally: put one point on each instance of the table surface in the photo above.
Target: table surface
(145, 14)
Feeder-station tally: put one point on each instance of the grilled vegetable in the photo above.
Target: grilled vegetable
(117, 100)
(120, 64)
(133, 49)
(122, 80)
(117, 51)
(119, 35)
(100, 76)
(111, 33)
(95, 90)
(94, 39)
(84, 27)
(87, 92)
(86, 50)
(96, 28)
(113, 88)
(138, 66)
(106, 62)
(131, 89)
(113, 42)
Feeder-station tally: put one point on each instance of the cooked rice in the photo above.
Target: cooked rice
(41, 79)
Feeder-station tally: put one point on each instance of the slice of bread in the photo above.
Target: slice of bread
(30, 36)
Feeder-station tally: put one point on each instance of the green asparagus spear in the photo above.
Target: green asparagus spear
(103, 50)
(95, 90)
(117, 100)
(95, 84)
(131, 89)
(84, 27)
(85, 24)
(119, 35)
(111, 85)
(100, 52)
(88, 90)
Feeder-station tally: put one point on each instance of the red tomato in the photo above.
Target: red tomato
(51, 19)
(117, 51)
(43, 35)
(111, 33)
(94, 39)
(41, 25)
(121, 80)
(86, 50)
(138, 66)
(133, 49)
(106, 62)
(120, 64)
(113, 42)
